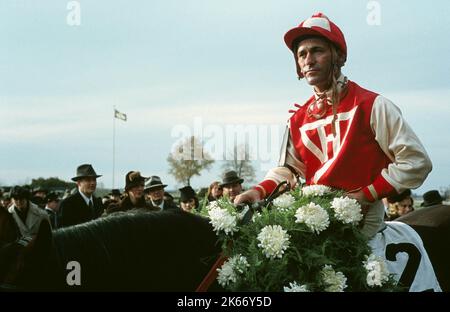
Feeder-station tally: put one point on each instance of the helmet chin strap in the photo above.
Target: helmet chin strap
(334, 68)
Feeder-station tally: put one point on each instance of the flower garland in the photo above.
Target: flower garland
(305, 240)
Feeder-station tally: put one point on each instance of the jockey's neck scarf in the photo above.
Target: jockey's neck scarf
(319, 107)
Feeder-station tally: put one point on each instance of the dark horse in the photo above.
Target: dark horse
(9, 249)
(135, 251)
(156, 251)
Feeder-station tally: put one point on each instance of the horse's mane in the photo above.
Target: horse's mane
(9, 230)
(139, 250)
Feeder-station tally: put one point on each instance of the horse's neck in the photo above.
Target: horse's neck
(8, 228)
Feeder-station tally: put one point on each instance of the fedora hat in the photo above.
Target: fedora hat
(133, 178)
(153, 183)
(231, 177)
(115, 192)
(187, 193)
(85, 171)
(39, 189)
(431, 198)
(20, 192)
(52, 196)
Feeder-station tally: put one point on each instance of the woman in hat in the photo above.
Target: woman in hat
(400, 205)
(188, 199)
(134, 194)
(215, 191)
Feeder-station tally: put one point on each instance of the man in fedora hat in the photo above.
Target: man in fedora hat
(231, 184)
(343, 136)
(38, 196)
(52, 208)
(82, 206)
(154, 190)
(28, 216)
(115, 195)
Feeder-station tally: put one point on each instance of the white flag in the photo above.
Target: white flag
(120, 115)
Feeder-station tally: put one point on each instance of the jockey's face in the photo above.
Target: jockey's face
(404, 206)
(232, 190)
(314, 59)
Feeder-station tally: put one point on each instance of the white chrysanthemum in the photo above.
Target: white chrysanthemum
(255, 216)
(334, 281)
(284, 201)
(314, 216)
(347, 210)
(212, 205)
(229, 271)
(315, 190)
(294, 287)
(222, 220)
(377, 272)
(273, 241)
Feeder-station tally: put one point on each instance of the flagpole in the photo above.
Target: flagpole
(114, 146)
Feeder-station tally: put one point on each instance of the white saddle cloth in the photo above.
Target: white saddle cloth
(405, 256)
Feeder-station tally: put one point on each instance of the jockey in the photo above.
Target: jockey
(344, 136)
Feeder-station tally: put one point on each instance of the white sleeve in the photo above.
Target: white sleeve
(293, 160)
(410, 162)
(289, 156)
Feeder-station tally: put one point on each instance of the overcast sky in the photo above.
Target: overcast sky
(171, 64)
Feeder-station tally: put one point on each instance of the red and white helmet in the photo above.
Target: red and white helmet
(316, 25)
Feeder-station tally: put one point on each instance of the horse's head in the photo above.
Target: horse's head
(19, 258)
(152, 251)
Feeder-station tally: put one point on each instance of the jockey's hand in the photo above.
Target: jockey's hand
(250, 196)
(361, 198)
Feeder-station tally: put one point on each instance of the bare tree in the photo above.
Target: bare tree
(239, 161)
(188, 160)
